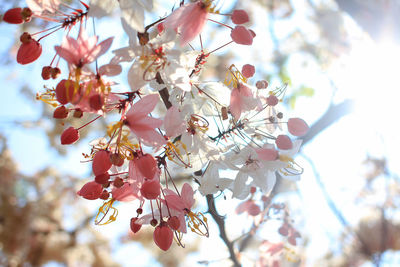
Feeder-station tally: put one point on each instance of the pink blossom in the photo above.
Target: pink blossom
(184, 202)
(147, 165)
(150, 189)
(189, 20)
(125, 193)
(83, 50)
(173, 123)
(267, 154)
(242, 100)
(142, 125)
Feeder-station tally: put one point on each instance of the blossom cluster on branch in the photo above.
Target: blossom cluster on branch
(168, 116)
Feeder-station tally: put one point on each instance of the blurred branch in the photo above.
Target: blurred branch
(220, 221)
(333, 114)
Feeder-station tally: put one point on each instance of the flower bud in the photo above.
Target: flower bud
(29, 52)
(134, 226)
(65, 91)
(55, 73)
(46, 72)
(101, 162)
(239, 16)
(150, 189)
(96, 102)
(60, 113)
(13, 16)
(69, 136)
(102, 178)
(91, 191)
(163, 236)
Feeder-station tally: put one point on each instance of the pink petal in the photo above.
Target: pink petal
(125, 193)
(175, 202)
(241, 35)
(297, 126)
(187, 195)
(267, 154)
(101, 162)
(283, 142)
(239, 16)
(173, 123)
(147, 165)
(144, 106)
(235, 105)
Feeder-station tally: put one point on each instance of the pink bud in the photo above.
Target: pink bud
(248, 70)
(134, 226)
(91, 191)
(253, 209)
(241, 35)
(147, 166)
(174, 223)
(13, 16)
(29, 52)
(64, 94)
(283, 142)
(150, 189)
(239, 16)
(101, 162)
(163, 236)
(272, 100)
(69, 136)
(297, 126)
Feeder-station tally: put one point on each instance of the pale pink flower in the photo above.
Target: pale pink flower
(189, 20)
(125, 193)
(173, 123)
(184, 202)
(142, 125)
(83, 50)
(242, 99)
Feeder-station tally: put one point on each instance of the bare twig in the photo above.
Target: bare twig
(220, 221)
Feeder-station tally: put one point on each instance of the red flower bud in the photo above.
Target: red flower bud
(29, 52)
(60, 113)
(91, 191)
(102, 178)
(134, 226)
(65, 91)
(150, 189)
(163, 236)
(69, 136)
(101, 162)
(13, 16)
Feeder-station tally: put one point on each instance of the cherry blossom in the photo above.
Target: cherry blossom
(142, 125)
(83, 50)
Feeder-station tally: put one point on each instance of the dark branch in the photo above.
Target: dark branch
(220, 221)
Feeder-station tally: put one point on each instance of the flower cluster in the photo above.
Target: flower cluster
(169, 120)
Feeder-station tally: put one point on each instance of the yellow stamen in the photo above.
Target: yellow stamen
(103, 211)
(175, 154)
(234, 76)
(197, 222)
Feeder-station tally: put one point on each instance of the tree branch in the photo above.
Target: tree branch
(219, 220)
